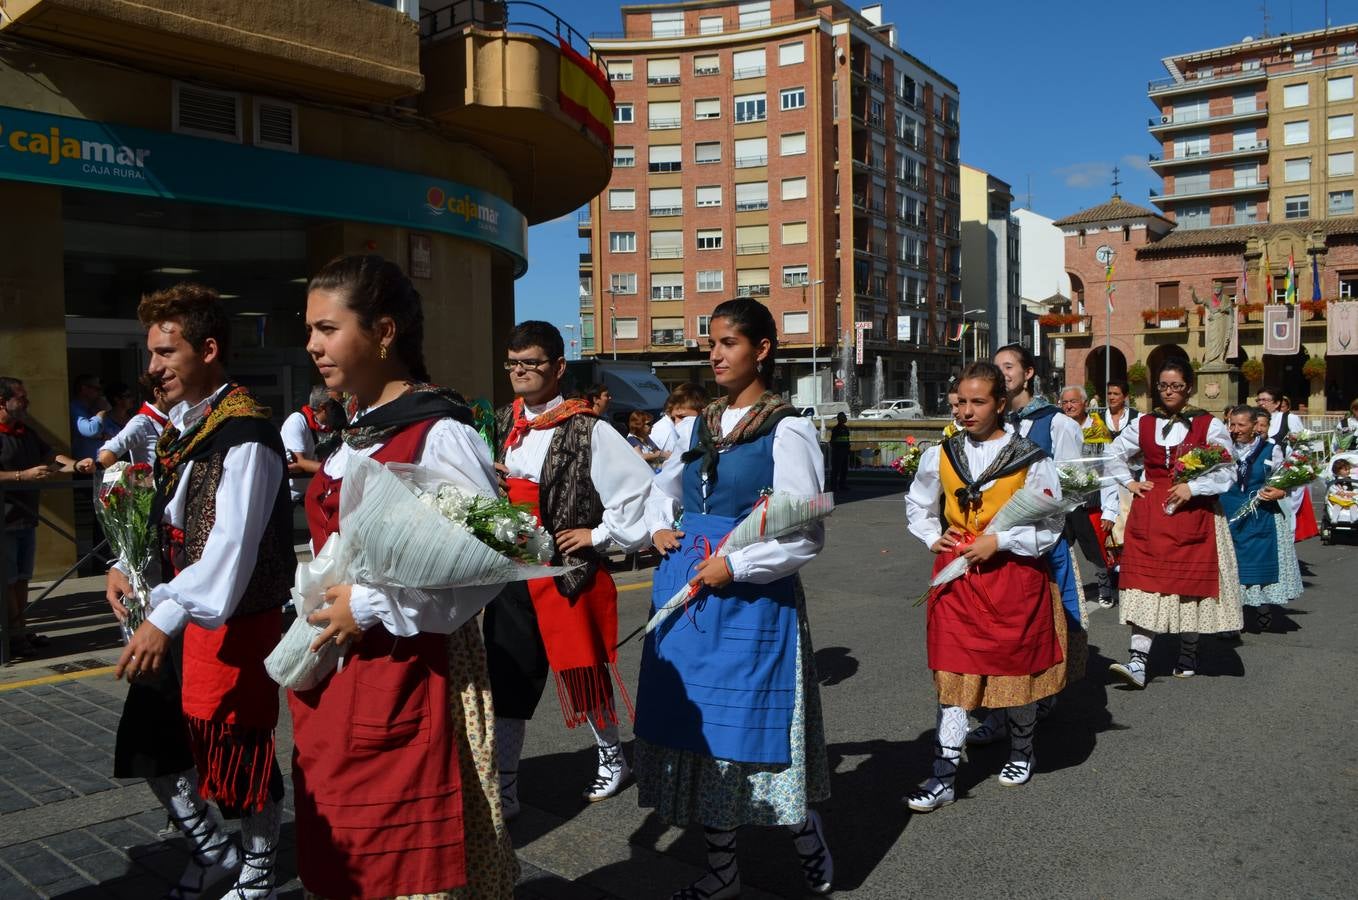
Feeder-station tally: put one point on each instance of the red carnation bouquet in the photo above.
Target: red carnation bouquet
(122, 501)
(1197, 462)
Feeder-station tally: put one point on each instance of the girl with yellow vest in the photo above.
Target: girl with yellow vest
(995, 635)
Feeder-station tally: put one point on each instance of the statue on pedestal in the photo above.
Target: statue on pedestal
(1220, 313)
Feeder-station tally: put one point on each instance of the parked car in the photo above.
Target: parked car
(894, 409)
(825, 410)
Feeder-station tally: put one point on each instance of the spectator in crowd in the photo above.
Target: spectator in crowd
(598, 396)
(1262, 420)
(88, 410)
(300, 433)
(24, 458)
(839, 454)
(1349, 424)
(639, 436)
(122, 402)
(686, 400)
(135, 441)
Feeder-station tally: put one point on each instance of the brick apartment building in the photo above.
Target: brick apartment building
(1257, 155)
(786, 150)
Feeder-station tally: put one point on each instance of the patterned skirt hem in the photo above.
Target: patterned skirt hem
(1177, 614)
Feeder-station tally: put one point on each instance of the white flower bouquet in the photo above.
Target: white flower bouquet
(402, 526)
(776, 515)
(1028, 506)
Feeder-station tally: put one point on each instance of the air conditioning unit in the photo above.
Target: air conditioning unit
(1164, 120)
(690, 344)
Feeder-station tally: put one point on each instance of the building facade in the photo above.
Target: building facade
(991, 263)
(1258, 131)
(787, 150)
(244, 145)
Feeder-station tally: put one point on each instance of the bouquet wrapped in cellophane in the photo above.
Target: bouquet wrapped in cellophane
(122, 503)
(1299, 468)
(403, 526)
(907, 463)
(777, 514)
(1031, 506)
(1195, 463)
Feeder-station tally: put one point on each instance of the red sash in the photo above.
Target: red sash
(375, 767)
(1306, 518)
(580, 634)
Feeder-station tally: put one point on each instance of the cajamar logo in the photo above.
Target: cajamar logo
(438, 202)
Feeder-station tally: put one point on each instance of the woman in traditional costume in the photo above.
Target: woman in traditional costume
(1270, 577)
(995, 634)
(1179, 572)
(729, 730)
(394, 762)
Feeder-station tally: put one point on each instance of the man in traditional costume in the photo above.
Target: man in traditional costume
(588, 487)
(1088, 526)
(227, 566)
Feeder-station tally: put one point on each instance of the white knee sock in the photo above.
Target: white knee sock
(952, 736)
(259, 838)
(208, 841)
(606, 736)
(1140, 647)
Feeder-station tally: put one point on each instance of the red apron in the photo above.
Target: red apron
(580, 634)
(1306, 518)
(1170, 554)
(375, 770)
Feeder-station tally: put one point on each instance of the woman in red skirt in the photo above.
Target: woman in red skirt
(1179, 572)
(394, 762)
(995, 634)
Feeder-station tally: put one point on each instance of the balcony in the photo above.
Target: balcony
(586, 262)
(1162, 87)
(303, 48)
(751, 162)
(751, 205)
(666, 210)
(492, 73)
(1259, 148)
(667, 252)
(751, 249)
(662, 79)
(667, 337)
(752, 290)
(747, 72)
(1234, 190)
(584, 223)
(663, 124)
(1169, 123)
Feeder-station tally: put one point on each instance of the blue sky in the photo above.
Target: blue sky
(1053, 96)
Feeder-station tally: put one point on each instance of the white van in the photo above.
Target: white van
(894, 409)
(824, 411)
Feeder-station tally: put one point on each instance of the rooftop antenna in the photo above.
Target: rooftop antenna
(1030, 192)
(1116, 181)
(1263, 7)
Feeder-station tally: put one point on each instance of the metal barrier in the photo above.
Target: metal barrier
(504, 15)
(70, 484)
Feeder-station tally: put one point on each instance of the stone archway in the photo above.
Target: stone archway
(1094, 368)
(1077, 291)
(1157, 359)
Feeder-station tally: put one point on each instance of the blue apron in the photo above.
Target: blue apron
(1063, 569)
(1255, 536)
(719, 678)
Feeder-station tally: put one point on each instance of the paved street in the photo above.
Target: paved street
(1241, 782)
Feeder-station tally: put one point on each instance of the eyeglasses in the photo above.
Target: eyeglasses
(1177, 387)
(512, 364)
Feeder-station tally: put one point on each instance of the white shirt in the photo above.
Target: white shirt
(1126, 448)
(1243, 451)
(1068, 439)
(1275, 422)
(922, 503)
(458, 453)
(662, 433)
(136, 441)
(208, 591)
(298, 438)
(1118, 423)
(619, 474)
(798, 469)
(1108, 490)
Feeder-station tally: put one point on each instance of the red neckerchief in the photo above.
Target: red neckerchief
(550, 419)
(310, 415)
(153, 414)
(14, 427)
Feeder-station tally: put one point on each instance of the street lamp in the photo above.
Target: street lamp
(815, 336)
(613, 319)
(961, 339)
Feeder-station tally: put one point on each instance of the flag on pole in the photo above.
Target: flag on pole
(1266, 276)
(1108, 284)
(1315, 279)
(1290, 289)
(961, 330)
(1244, 280)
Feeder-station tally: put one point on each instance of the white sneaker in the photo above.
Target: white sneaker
(611, 776)
(1184, 672)
(930, 796)
(1133, 674)
(1017, 771)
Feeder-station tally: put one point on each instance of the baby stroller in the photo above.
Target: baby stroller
(1341, 500)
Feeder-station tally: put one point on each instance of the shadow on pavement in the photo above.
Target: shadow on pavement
(835, 664)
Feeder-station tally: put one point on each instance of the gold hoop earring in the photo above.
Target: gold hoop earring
(382, 351)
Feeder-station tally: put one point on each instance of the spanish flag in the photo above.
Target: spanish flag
(585, 95)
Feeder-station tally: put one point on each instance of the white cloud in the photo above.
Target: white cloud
(1136, 161)
(1085, 174)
